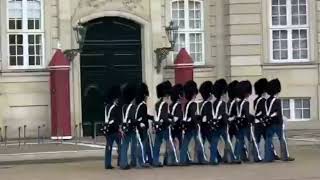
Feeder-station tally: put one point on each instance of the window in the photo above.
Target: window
(188, 15)
(289, 31)
(296, 109)
(25, 34)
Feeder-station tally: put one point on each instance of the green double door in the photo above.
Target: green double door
(111, 55)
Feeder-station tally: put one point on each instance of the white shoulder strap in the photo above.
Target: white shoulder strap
(125, 116)
(202, 106)
(215, 111)
(268, 109)
(256, 106)
(174, 108)
(239, 109)
(138, 108)
(231, 106)
(159, 111)
(185, 117)
(108, 113)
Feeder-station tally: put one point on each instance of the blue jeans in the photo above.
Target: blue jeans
(277, 129)
(164, 135)
(128, 139)
(110, 139)
(198, 143)
(240, 153)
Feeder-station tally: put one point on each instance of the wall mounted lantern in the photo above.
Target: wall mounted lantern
(162, 53)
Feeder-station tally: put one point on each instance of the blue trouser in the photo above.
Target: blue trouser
(240, 153)
(114, 137)
(164, 135)
(128, 139)
(277, 129)
(228, 150)
(261, 131)
(147, 145)
(214, 140)
(198, 143)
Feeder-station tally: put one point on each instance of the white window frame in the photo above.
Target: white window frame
(25, 32)
(187, 30)
(292, 109)
(289, 27)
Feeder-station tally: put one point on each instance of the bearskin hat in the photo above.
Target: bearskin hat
(206, 89)
(167, 88)
(177, 92)
(142, 92)
(244, 89)
(260, 86)
(113, 94)
(129, 93)
(232, 92)
(274, 87)
(220, 87)
(190, 89)
(160, 90)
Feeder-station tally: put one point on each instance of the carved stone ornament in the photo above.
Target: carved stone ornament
(128, 4)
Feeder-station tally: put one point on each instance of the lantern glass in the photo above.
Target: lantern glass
(80, 32)
(172, 33)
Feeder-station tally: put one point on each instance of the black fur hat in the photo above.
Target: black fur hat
(260, 86)
(190, 89)
(220, 87)
(232, 92)
(244, 89)
(167, 88)
(160, 90)
(206, 89)
(274, 87)
(177, 92)
(129, 93)
(142, 92)
(113, 94)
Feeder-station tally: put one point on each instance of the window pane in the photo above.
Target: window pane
(295, 34)
(276, 45)
(286, 113)
(276, 34)
(284, 44)
(276, 55)
(20, 61)
(283, 10)
(294, 1)
(275, 20)
(275, 10)
(31, 60)
(306, 114)
(295, 20)
(306, 103)
(13, 61)
(284, 54)
(283, 2)
(13, 50)
(304, 54)
(295, 10)
(285, 103)
(295, 44)
(283, 20)
(298, 103)
(295, 54)
(298, 113)
(275, 2)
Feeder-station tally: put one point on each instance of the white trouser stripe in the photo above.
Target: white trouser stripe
(201, 143)
(255, 142)
(284, 139)
(141, 145)
(172, 145)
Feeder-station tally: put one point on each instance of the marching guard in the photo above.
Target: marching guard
(191, 126)
(221, 123)
(274, 122)
(260, 126)
(142, 118)
(129, 134)
(112, 124)
(244, 121)
(206, 115)
(162, 126)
